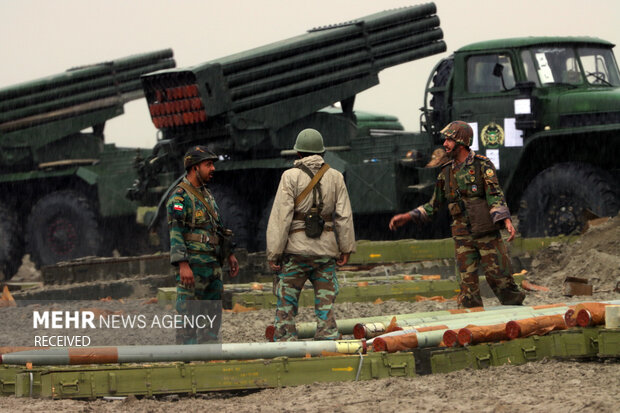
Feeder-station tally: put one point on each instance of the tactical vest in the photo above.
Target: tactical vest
(473, 204)
(211, 237)
(451, 188)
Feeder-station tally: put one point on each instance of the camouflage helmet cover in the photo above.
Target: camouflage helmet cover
(197, 154)
(459, 131)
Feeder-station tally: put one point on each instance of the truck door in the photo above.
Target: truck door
(485, 99)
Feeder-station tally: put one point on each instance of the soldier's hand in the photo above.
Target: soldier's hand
(344, 258)
(510, 228)
(187, 275)
(234, 265)
(275, 267)
(399, 220)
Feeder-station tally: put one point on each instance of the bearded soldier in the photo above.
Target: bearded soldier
(198, 244)
(468, 183)
(310, 231)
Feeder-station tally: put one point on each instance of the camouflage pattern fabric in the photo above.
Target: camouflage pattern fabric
(187, 215)
(208, 286)
(460, 131)
(488, 252)
(296, 269)
(465, 183)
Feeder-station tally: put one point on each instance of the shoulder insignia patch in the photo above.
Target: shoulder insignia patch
(489, 172)
(484, 158)
(177, 207)
(199, 213)
(178, 199)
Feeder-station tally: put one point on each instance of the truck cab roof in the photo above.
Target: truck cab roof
(517, 42)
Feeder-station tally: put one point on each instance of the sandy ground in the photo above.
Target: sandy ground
(548, 385)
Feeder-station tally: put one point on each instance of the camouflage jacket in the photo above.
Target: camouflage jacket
(465, 184)
(188, 215)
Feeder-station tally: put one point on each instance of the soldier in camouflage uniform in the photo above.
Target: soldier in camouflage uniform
(195, 229)
(297, 255)
(468, 183)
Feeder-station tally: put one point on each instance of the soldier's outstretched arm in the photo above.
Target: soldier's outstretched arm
(399, 220)
(424, 212)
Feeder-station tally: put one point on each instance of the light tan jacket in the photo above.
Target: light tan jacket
(336, 203)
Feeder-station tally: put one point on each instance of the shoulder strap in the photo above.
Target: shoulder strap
(315, 179)
(447, 181)
(192, 190)
(478, 173)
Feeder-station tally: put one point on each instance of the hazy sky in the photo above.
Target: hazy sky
(45, 37)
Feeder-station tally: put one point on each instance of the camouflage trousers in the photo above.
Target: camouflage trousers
(296, 269)
(488, 252)
(204, 299)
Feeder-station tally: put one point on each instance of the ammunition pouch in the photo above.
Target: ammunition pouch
(314, 223)
(455, 208)
(226, 246)
(480, 220)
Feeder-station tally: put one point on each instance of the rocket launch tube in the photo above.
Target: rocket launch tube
(399, 340)
(404, 321)
(346, 326)
(472, 318)
(193, 352)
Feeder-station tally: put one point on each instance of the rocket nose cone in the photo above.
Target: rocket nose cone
(465, 336)
(450, 338)
(359, 331)
(513, 329)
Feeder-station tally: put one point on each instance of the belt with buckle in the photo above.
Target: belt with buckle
(204, 238)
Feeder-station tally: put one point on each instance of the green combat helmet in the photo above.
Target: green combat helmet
(460, 131)
(197, 154)
(309, 141)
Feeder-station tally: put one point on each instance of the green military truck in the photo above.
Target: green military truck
(63, 187)
(545, 110)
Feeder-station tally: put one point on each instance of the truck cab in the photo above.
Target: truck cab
(545, 110)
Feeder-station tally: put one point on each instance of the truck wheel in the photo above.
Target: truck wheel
(555, 201)
(235, 213)
(63, 226)
(11, 243)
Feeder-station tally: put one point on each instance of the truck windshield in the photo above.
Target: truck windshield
(556, 65)
(553, 65)
(599, 66)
